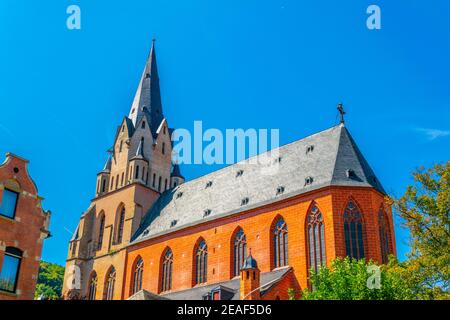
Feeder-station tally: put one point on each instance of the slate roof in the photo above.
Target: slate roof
(268, 280)
(327, 158)
(147, 101)
(146, 295)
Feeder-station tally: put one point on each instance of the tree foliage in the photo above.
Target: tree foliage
(424, 210)
(50, 281)
(351, 279)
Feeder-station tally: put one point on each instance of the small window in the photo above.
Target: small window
(9, 272)
(280, 190)
(123, 127)
(244, 201)
(164, 130)
(350, 173)
(9, 203)
(173, 223)
(278, 160)
(163, 148)
(154, 180)
(136, 173)
(143, 125)
(309, 149)
(206, 213)
(239, 173)
(179, 195)
(309, 180)
(120, 147)
(208, 184)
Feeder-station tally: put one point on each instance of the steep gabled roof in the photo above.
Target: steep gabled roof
(327, 158)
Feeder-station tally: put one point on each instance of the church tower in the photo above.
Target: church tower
(138, 169)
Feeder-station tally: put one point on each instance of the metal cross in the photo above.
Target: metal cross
(340, 108)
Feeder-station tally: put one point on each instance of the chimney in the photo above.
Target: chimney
(250, 280)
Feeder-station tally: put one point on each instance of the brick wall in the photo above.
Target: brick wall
(27, 230)
(256, 224)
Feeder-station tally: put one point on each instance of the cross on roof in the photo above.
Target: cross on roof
(340, 108)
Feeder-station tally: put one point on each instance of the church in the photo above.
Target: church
(235, 233)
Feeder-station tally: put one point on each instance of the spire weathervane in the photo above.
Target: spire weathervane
(340, 108)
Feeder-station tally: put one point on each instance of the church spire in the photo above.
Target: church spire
(147, 101)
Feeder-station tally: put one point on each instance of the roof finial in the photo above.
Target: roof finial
(340, 108)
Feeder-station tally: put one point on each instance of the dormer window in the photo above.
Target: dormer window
(309, 181)
(208, 184)
(239, 173)
(280, 190)
(350, 173)
(206, 213)
(309, 149)
(244, 201)
(173, 223)
(179, 195)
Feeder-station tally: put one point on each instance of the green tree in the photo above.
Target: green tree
(424, 210)
(351, 279)
(50, 281)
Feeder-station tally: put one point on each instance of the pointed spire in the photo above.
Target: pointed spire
(147, 101)
(107, 167)
(176, 172)
(140, 150)
(249, 262)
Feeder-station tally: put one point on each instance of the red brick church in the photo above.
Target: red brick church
(235, 233)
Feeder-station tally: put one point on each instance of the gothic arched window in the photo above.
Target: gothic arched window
(109, 284)
(120, 225)
(93, 286)
(201, 263)
(280, 243)
(100, 232)
(137, 275)
(239, 252)
(383, 223)
(167, 268)
(316, 238)
(353, 231)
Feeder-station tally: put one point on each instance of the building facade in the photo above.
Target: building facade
(249, 231)
(24, 226)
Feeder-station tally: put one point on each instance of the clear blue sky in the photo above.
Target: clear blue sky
(232, 64)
